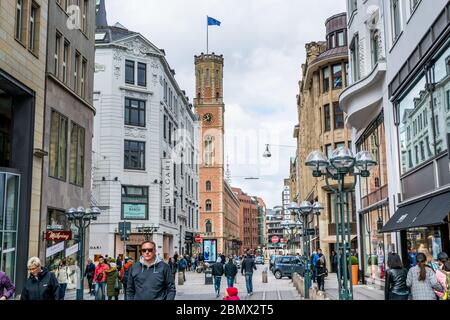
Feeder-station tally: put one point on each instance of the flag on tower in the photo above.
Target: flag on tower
(213, 22)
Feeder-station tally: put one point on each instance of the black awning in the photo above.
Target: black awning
(434, 213)
(404, 216)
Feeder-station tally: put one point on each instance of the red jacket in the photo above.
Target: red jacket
(125, 267)
(232, 294)
(100, 269)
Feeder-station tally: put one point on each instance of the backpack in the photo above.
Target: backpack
(182, 264)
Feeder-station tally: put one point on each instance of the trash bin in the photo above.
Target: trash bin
(264, 275)
(208, 276)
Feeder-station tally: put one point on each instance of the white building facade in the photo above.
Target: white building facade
(145, 149)
(397, 105)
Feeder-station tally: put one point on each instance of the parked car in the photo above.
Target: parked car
(272, 261)
(286, 266)
(259, 260)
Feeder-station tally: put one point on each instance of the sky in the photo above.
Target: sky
(263, 44)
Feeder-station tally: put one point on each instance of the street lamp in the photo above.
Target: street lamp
(268, 154)
(147, 230)
(342, 163)
(291, 227)
(82, 218)
(307, 211)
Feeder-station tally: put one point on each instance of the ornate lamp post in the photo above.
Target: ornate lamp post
(341, 164)
(82, 218)
(291, 228)
(307, 211)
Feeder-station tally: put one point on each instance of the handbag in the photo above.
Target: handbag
(99, 277)
(117, 284)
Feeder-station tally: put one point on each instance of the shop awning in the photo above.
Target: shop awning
(332, 239)
(435, 212)
(405, 216)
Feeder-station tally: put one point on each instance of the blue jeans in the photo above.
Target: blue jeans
(102, 286)
(217, 280)
(62, 290)
(249, 282)
(230, 282)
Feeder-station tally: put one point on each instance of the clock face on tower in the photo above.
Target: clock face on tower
(208, 118)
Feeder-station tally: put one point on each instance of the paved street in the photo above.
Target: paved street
(360, 292)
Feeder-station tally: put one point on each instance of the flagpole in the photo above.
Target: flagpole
(207, 38)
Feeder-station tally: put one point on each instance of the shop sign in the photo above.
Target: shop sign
(55, 227)
(58, 235)
(73, 249)
(168, 188)
(55, 249)
(275, 239)
(134, 211)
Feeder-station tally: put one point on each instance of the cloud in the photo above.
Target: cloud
(263, 43)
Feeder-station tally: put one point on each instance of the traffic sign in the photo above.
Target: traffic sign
(124, 230)
(275, 239)
(284, 240)
(198, 239)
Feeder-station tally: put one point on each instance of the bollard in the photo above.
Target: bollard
(180, 279)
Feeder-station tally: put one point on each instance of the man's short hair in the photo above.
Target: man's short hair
(151, 242)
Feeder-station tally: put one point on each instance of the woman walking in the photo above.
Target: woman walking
(443, 276)
(422, 280)
(41, 285)
(395, 287)
(112, 282)
(63, 275)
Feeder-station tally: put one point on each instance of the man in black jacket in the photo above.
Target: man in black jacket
(217, 273)
(248, 265)
(41, 285)
(89, 273)
(150, 278)
(231, 271)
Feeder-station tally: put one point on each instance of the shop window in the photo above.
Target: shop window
(135, 203)
(424, 240)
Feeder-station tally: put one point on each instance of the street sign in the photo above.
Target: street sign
(275, 239)
(310, 232)
(198, 239)
(284, 240)
(124, 230)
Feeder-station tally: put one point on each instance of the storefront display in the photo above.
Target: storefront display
(425, 240)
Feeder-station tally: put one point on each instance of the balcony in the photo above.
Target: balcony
(363, 99)
(374, 197)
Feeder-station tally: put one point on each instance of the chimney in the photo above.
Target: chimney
(100, 17)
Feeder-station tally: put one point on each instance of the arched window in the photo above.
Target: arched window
(208, 185)
(208, 205)
(209, 150)
(208, 226)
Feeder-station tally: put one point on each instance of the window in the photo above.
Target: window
(164, 213)
(447, 96)
(352, 5)
(58, 146)
(165, 91)
(208, 186)
(332, 43)
(174, 210)
(340, 39)
(422, 151)
(354, 53)
(374, 47)
(33, 35)
(396, 22)
(329, 150)
(340, 145)
(337, 76)
(208, 205)
(65, 61)
(135, 203)
(84, 16)
(417, 154)
(129, 72)
(57, 50)
(142, 74)
(170, 132)
(165, 127)
(134, 155)
(207, 76)
(209, 150)
(75, 72)
(134, 112)
(19, 19)
(326, 111)
(83, 78)
(208, 226)
(326, 79)
(338, 116)
(76, 174)
(174, 174)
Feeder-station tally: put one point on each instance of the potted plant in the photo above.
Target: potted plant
(354, 263)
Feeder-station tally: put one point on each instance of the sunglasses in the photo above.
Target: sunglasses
(147, 250)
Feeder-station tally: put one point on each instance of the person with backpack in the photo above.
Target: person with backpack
(100, 278)
(182, 265)
(443, 276)
(395, 285)
(231, 271)
(124, 274)
(217, 273)
(422, 280)
(63, 275)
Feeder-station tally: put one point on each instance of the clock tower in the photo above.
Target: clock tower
(216, 220)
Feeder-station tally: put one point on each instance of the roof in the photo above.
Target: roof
(335, 52)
